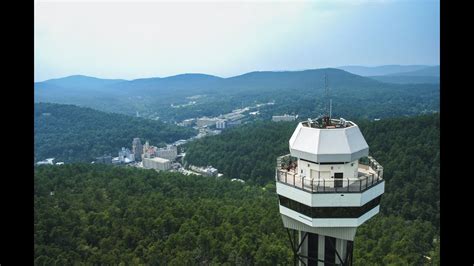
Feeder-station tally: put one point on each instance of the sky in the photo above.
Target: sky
(130, 40)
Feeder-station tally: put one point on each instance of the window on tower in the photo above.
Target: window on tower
(329, 212)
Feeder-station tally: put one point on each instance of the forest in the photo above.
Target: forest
(248, 152)
(99, 214)
(113, 215)
(297, 92)
(407, 148)
(71, 134)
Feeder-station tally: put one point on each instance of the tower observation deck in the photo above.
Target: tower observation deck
(327, 185)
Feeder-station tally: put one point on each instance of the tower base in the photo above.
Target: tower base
(319, 250)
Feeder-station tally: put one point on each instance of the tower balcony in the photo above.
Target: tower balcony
(369, 174)
(317, 203)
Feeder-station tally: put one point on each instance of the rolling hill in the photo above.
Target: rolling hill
(101, 214)
(381, 70)
(433, 71)
(407, 79)
(425, 75)
(299, 92)
(70, 133)
(81, 82)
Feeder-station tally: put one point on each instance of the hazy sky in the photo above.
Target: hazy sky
(112, 39)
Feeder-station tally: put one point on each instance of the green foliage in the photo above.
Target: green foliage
(102, 214)
(407, 148)
(247, 152)
(111, 215)
(299, 92)
(391, 240)
(70, 133)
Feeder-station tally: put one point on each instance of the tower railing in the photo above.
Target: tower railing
(369, 175)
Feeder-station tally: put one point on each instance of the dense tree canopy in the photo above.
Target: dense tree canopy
(299, 92)
(407, 148)
(70, 133)
(248, 152)
(101, 214)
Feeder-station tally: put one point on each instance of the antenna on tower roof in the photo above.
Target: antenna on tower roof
(327, 115)
(326, 92)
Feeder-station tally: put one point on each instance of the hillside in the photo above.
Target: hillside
(407, 148)
(433, 71)
(81, 81)
(300, 92)
(70, 133)
(247, 152)
(102, 214)
(407, 79)
(110, 215)
(397, 74)
(381, 70)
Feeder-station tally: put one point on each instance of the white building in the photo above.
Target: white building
(188, 122)
(220, 124)
(126, 156)
(285, 117)
(157, 163)
(207, 171)
(116, 160)
(170, 152)
(206, 121)
(324, 192)
(49, 161)
(233, 116)
(180, 142)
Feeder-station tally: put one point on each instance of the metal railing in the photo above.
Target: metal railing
(288, 175)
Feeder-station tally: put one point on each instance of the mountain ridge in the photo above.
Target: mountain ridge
(299, 92)
(382, 69)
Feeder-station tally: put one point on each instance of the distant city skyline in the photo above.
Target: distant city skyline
(157, 39)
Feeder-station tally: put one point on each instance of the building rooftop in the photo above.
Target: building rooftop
(341, 141)
(321, 123)
(158, 159)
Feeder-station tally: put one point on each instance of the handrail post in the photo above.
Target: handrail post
(312, 185)
(324, 186)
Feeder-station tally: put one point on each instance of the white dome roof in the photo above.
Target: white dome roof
(328, 145)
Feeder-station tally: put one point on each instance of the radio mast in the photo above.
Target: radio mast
(328, 109)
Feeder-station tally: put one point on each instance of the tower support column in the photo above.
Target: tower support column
(303, 239)
(320, 250)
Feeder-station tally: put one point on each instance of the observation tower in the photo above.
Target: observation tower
(327, 185)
